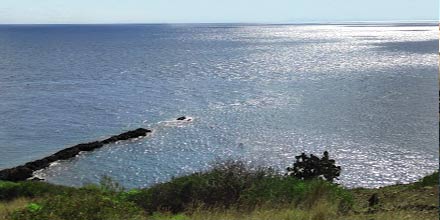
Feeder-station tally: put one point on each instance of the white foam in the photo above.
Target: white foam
(54, 164)
(176, 123)
(37, 174)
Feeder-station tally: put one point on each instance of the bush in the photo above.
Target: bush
(431, 180)
(220, 187)
(312, 167)
(30, 189)
(233, 185)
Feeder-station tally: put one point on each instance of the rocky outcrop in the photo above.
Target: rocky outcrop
(16, 174)
(127, 135)
(25, 172)
(184, 118)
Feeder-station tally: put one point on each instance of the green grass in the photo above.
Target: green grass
(79, 206)
(229, 191)
(9, 207)
(324, 212)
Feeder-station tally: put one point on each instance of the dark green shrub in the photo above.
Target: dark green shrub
(274, 190)
(220, 187)
(310, 167)
(12, 190)
(8, 190)
(431, 180)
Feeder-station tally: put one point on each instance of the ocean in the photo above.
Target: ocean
(366, 93)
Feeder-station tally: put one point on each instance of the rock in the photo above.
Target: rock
(140, 132)
(67, 153)
(25, 172)
(19, 173)
(40, 164)
(90, 146)
(373, 200)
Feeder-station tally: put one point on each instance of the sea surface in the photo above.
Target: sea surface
(366, 93)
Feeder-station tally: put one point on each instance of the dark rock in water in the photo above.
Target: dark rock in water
(89, 146)
(25, 172)
(19, 173)
(181, 118)
(40, 164)
(67, 153)
(140, 132)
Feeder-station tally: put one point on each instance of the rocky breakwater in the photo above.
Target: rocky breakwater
(24, 172)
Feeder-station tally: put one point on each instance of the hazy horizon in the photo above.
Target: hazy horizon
(424, 22)
(227, 11)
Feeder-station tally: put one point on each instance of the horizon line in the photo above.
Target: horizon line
(237, 22)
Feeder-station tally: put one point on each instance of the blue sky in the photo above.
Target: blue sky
(201, 11)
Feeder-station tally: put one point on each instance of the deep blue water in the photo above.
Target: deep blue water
(260, 93)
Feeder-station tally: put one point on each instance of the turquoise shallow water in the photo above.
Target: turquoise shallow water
(260, 93)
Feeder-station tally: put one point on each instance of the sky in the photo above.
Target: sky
(214, 11)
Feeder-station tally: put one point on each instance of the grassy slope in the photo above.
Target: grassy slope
(397, 202)
(419, 200)
(8, 207)
(320, 201)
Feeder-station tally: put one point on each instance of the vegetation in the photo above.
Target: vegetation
(229, 191)
(234, 186)
(430, 180)
(312, 167)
